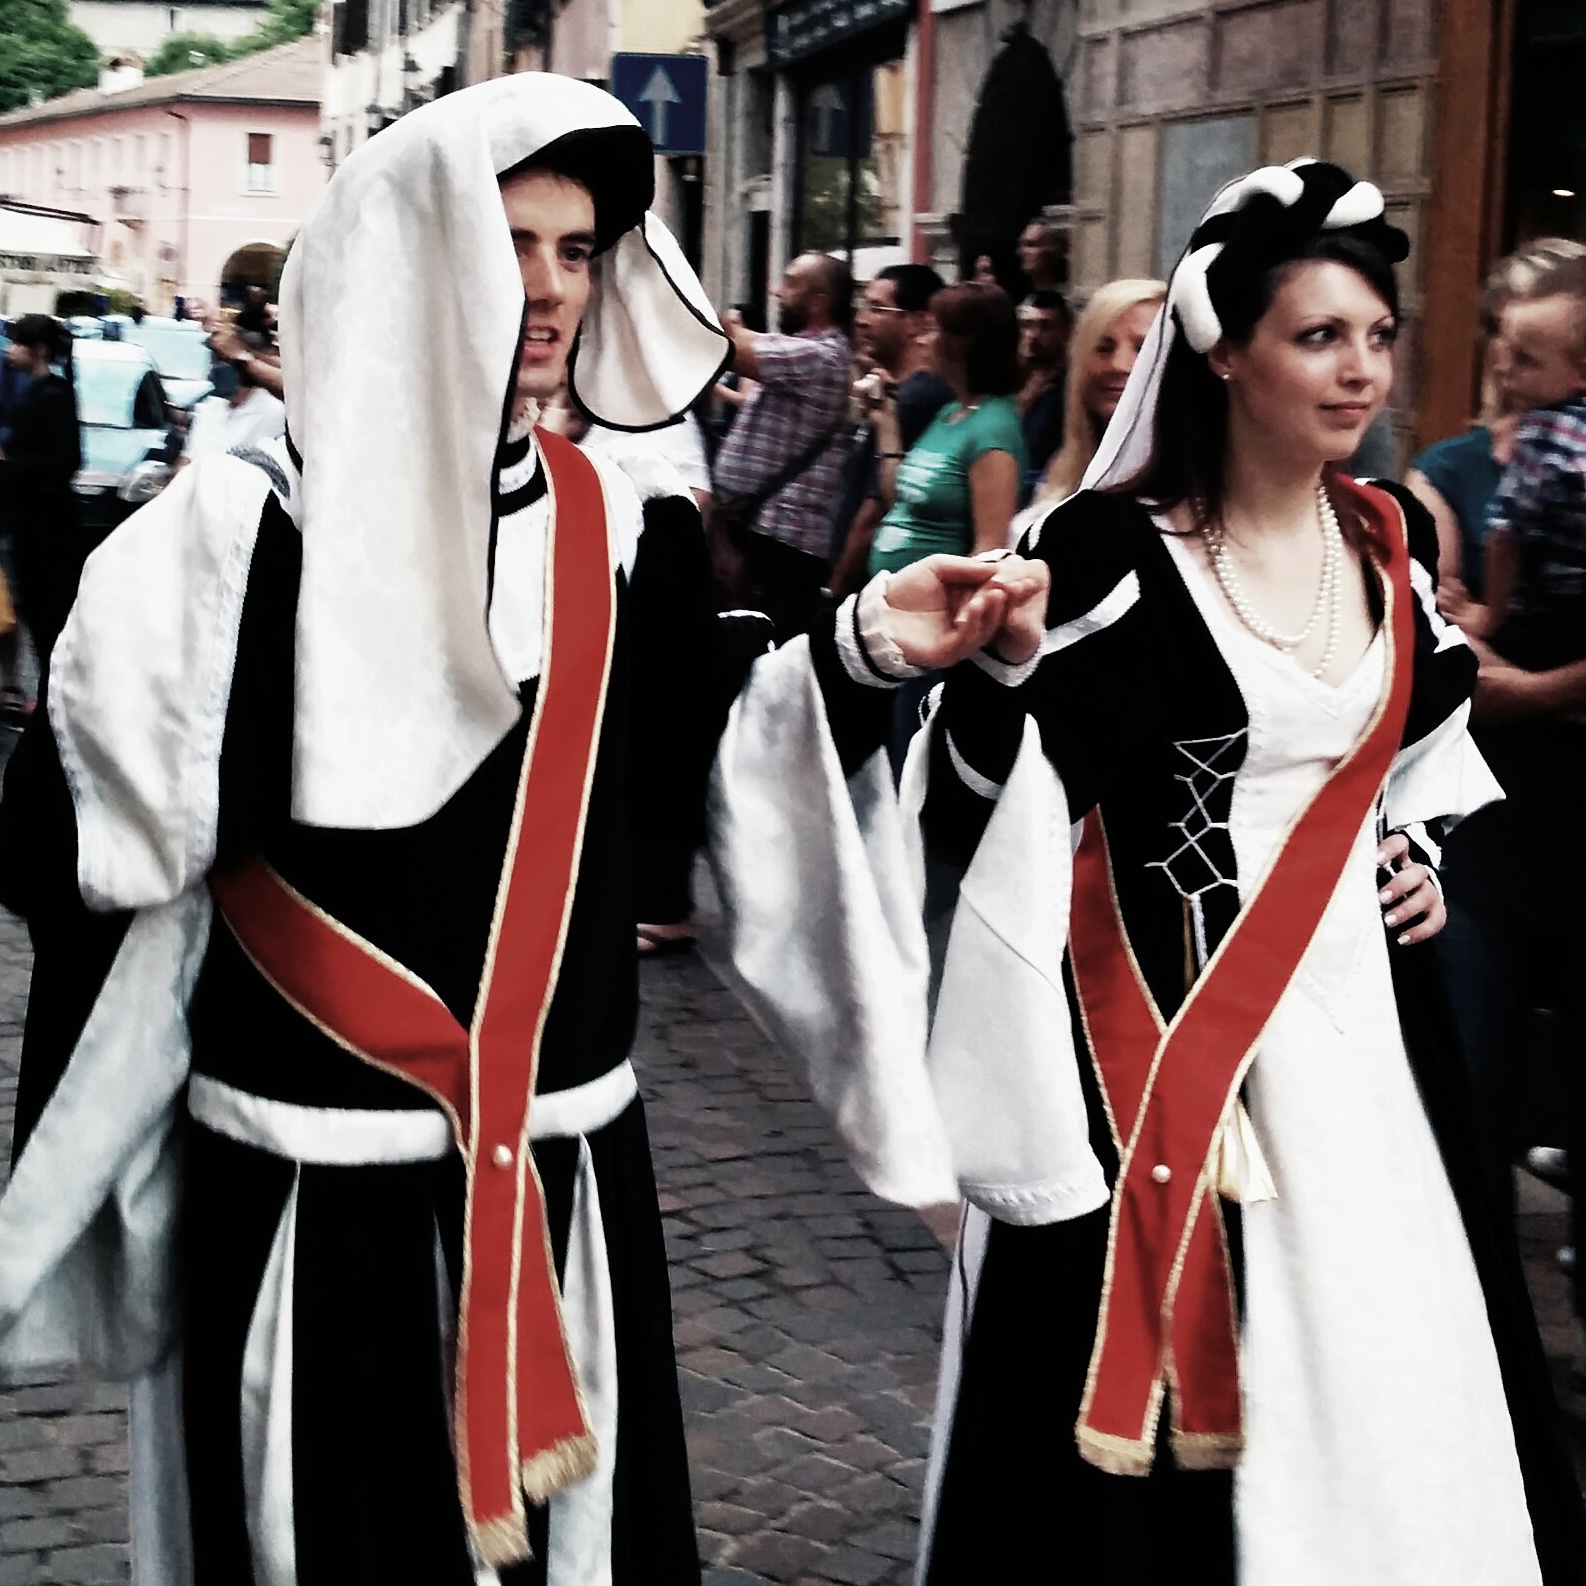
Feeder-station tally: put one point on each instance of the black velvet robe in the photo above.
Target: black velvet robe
(375, 1487)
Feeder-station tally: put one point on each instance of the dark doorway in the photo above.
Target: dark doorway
(759, 270)
(1020, 156)
(1547, 147)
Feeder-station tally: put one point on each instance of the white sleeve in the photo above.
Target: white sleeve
(822, 883)
(140, 682)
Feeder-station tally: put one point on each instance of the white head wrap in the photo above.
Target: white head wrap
(1126, 444)
(401, 311)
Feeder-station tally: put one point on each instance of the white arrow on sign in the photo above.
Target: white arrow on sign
(828, 103)
(659, 93)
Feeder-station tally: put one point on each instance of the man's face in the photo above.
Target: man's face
(793, 296)
(1040, 252)
(880, 326)
(552, 219)
(1043, 338)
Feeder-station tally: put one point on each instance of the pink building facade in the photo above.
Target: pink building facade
(194, 180)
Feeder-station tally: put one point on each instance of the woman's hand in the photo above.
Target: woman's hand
(944, 608)
(1027, 583)
(1469, 616)
(1412, 894)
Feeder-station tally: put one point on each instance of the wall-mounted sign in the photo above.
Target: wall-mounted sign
(667, 93)
(798, 29)
(46, 264)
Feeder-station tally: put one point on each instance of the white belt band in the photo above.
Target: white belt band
(345, 1137)
(566, 1114)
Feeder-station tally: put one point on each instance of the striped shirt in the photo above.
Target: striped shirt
(803, 390)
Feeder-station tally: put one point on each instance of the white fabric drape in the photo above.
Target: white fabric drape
(822, 885)
(401, 306)
(578, 1549)
(267, 1410)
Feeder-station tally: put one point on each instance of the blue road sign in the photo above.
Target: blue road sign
(667, 93)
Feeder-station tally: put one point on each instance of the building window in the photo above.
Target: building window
(852, 182)
(354, 32)
(261, 162)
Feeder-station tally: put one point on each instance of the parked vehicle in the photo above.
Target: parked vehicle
(130, 445)
(180, 353)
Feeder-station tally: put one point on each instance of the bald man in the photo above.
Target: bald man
(778, 470)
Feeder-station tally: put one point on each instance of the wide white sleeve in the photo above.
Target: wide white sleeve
(140, 681)
(822, 885)
(1442, 775)
(88, 1222)
(1002, 1058)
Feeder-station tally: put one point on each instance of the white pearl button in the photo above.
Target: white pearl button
(1161, 1173)
(502, 1156)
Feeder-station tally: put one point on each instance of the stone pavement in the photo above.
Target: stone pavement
(807, 1310)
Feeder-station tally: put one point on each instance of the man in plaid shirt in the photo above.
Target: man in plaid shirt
(803, 375)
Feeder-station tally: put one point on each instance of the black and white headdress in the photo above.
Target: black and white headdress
(1251, 226)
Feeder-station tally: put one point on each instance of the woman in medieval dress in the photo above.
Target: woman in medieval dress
(1229, 1295)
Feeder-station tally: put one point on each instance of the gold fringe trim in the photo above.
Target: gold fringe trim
(559, 1466)
(1118, 1456)
(1206, 1450)
(502, 1542)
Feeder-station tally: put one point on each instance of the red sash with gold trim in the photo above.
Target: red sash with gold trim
(520, 1419)
(1168, 1322)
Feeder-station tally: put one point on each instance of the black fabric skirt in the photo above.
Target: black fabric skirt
(1017, 1502)
(374, 1481)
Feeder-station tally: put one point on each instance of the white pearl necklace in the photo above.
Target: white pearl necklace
(1329, 592)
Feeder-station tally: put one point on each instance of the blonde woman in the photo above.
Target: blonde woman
(1107, 340)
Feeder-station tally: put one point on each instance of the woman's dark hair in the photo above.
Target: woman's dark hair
(983, 325)
(1190, 446)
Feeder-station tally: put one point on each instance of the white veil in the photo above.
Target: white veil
(401, 309)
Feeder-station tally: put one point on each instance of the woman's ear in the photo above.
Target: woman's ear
(1219, 361)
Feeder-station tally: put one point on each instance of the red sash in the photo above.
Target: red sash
(1168, 1319)
(520, 1419)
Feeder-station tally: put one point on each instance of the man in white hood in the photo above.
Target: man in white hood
(323, 841)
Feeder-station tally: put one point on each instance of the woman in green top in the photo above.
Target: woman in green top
(958, 487)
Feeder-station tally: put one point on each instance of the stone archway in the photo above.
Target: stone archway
(254, 264)
(1020, 154)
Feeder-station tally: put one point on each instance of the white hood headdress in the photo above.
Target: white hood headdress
(1253, 223)
(401, 311)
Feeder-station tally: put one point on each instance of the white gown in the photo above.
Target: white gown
(1379, 1445)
